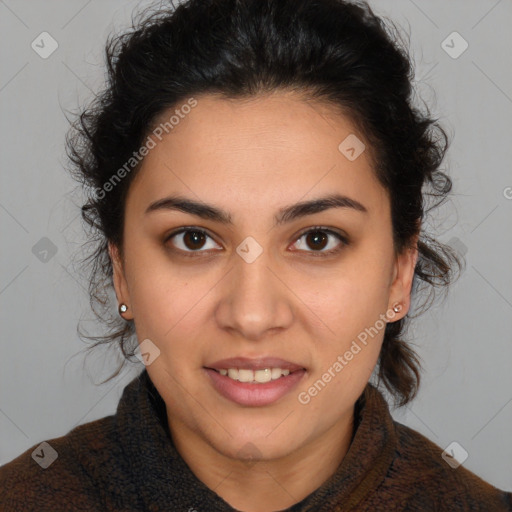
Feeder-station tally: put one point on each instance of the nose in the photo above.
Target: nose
(254, 301)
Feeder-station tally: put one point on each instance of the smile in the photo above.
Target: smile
(254, 388)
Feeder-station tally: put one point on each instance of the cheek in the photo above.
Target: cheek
(162, 306)
(348, 298)
(161, 296)
(346, 313)
(347, 348)
(168, 313)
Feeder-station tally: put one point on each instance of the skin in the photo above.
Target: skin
(247, 157)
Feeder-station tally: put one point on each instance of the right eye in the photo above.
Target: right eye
(190, 240)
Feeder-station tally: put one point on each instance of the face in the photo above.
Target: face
(243, 276)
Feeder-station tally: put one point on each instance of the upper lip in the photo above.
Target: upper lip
(254, 364)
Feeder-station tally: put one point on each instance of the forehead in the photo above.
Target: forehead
(268, 150)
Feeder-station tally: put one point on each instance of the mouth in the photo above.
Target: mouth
(254, 382)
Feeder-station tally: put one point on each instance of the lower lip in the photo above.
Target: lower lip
(246, 393)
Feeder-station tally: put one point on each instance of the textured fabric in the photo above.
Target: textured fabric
(127, 462)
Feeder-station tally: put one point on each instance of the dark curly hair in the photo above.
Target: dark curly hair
(335, 51)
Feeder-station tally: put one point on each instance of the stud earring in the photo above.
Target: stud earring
(397, 307)
(122, 309)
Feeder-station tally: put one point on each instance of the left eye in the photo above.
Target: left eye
(318, 240)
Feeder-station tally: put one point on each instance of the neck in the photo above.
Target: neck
(269, 484)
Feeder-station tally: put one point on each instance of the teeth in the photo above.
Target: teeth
(245, 375)
(276, 373)
(261, 376)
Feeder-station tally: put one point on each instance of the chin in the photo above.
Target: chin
(248, 445)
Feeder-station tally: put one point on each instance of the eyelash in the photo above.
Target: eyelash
(316, 254)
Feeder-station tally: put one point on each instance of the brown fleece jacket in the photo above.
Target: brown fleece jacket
(127, 462)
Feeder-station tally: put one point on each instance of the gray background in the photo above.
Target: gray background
(46, 385)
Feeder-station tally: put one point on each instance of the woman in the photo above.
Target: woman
(257, 178)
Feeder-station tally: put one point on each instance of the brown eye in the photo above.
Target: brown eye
(191, 240)
(317, 239)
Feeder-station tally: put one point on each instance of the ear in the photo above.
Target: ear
(120, 284)
(403, 275)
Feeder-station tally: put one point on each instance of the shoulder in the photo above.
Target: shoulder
(61, 471)
(436, 481)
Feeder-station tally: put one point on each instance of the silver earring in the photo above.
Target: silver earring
(122, 308)
(397, 307)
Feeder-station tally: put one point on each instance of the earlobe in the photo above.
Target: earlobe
(119, 280)
(405, 266)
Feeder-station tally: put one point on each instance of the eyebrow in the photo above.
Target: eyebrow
(286, 214)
